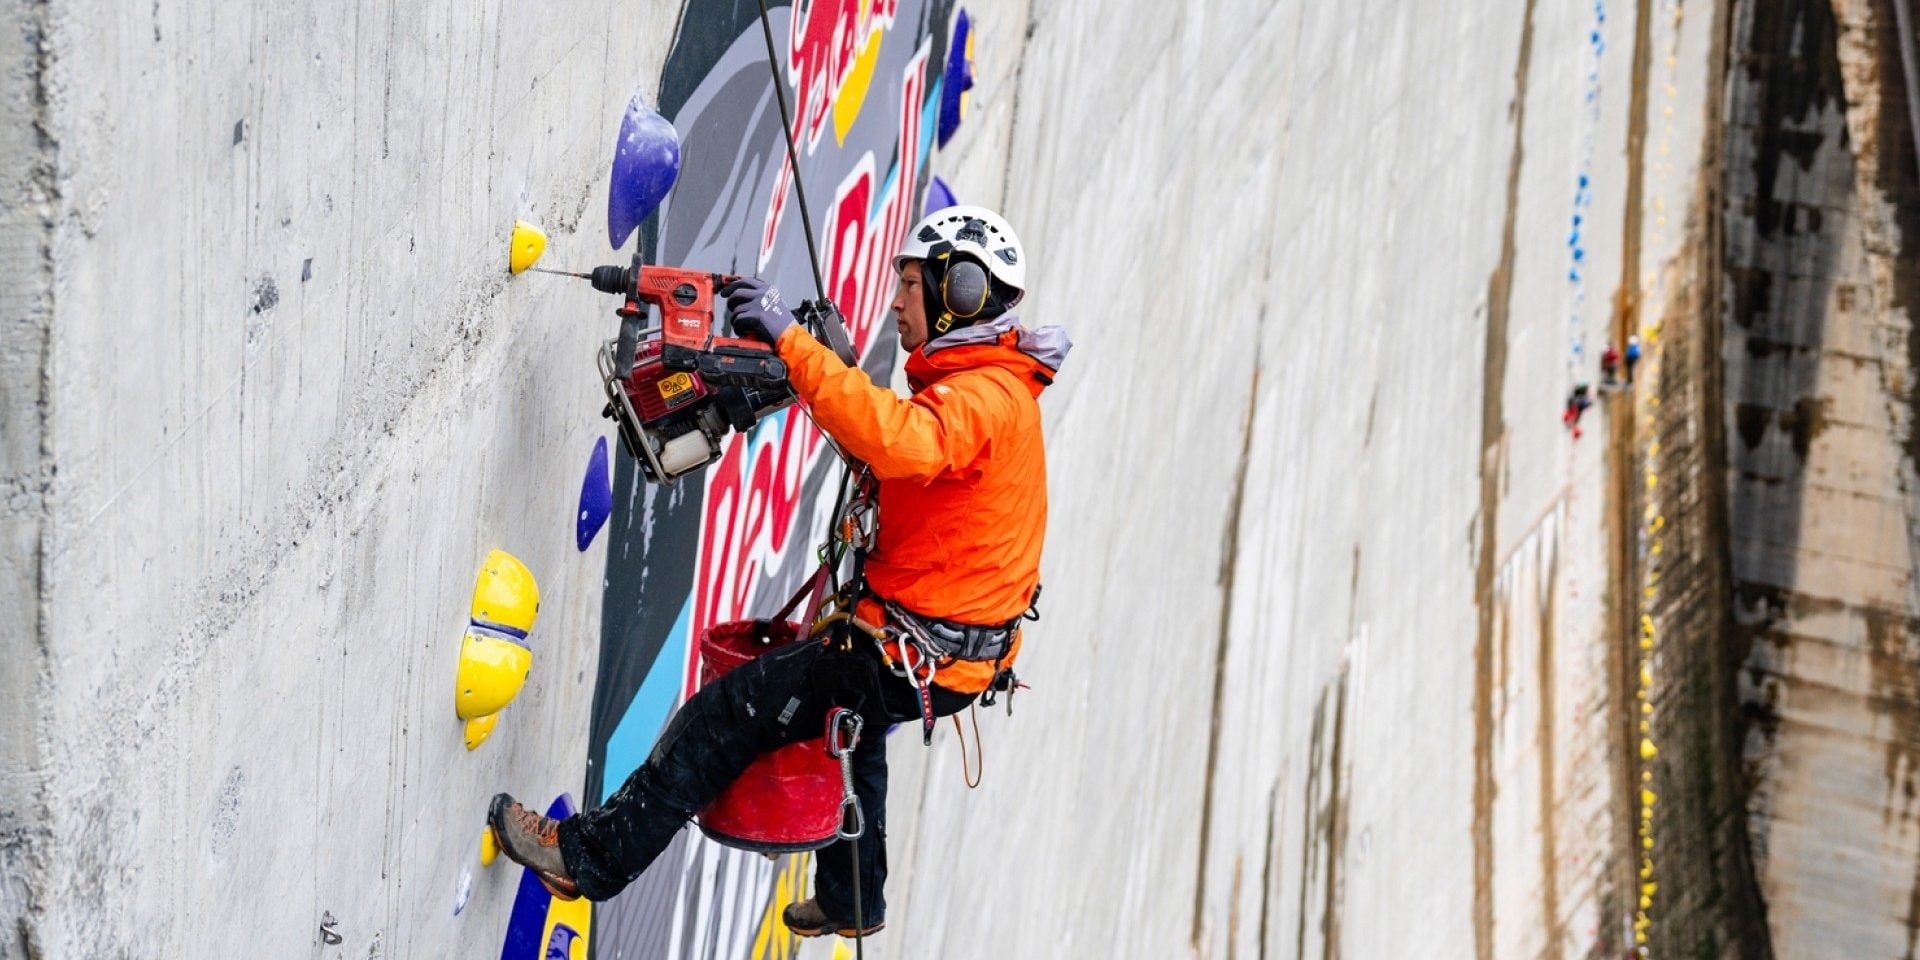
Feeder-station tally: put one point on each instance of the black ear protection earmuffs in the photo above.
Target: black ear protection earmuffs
(959, 290)
(964, 288)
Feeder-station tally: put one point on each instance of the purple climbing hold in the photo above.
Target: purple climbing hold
(560, 944)
(646, 161)
(957, 79)
(939, 196)
(596, 496)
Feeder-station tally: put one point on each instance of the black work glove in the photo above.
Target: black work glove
(757, 309)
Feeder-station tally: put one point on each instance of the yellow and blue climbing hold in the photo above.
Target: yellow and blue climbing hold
(494, 656)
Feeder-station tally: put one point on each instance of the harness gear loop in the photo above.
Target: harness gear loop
(971, 779)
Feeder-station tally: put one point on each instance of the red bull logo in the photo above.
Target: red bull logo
(830, 56)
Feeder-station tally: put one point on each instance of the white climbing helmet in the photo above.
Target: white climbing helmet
(976, 230)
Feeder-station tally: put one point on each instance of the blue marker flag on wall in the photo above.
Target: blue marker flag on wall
(939, 196)
(596, 496)
(957, 78)
(646, 161)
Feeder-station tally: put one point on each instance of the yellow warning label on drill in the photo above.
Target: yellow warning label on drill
(675, 385)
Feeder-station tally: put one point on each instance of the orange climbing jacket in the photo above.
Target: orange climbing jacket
(961, 467)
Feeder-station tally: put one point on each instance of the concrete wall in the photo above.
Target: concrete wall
(1336, 656)
(1822, 268)
(290, 401)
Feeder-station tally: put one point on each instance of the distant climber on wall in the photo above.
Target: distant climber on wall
(1633, 356)
(1577, 403)
(962, 512)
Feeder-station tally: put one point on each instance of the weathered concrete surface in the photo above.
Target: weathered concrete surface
(1333, 653)
(290, 401)
(1273, 661)
(1823, 266)
(27, 202)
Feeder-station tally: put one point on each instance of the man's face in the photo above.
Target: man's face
(910, 308)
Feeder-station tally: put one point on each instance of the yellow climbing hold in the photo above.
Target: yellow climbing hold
(479, 729)
(1648, 797)
(528, 244)
(504, 593)
(1647, 750)
(489, 847)
(493, 668)
(840, 949)
(494, 656)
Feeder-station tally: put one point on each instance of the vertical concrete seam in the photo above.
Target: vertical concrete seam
(1621, 614)
(1229, 556)
(1492, 433)
(30, 197)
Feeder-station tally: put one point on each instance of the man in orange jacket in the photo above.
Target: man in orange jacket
(962, 513)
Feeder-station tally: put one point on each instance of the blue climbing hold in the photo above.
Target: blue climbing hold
(646, 161)
(939, 196)
(596, 496)
(957, 79)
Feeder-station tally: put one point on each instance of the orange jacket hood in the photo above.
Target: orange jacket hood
(1034, 356)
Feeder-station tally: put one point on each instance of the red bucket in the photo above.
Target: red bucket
(787, 800)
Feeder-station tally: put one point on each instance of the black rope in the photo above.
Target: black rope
(793, 154)
(859, 915)
(820, 288)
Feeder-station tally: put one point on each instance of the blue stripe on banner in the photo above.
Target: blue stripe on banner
(929, 123)
(647, 712)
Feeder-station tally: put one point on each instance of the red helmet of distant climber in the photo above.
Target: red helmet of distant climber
(972, 265)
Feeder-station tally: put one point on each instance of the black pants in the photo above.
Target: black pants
(780, 698)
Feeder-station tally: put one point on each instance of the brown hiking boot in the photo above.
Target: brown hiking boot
(533, 841)
(806, 919)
